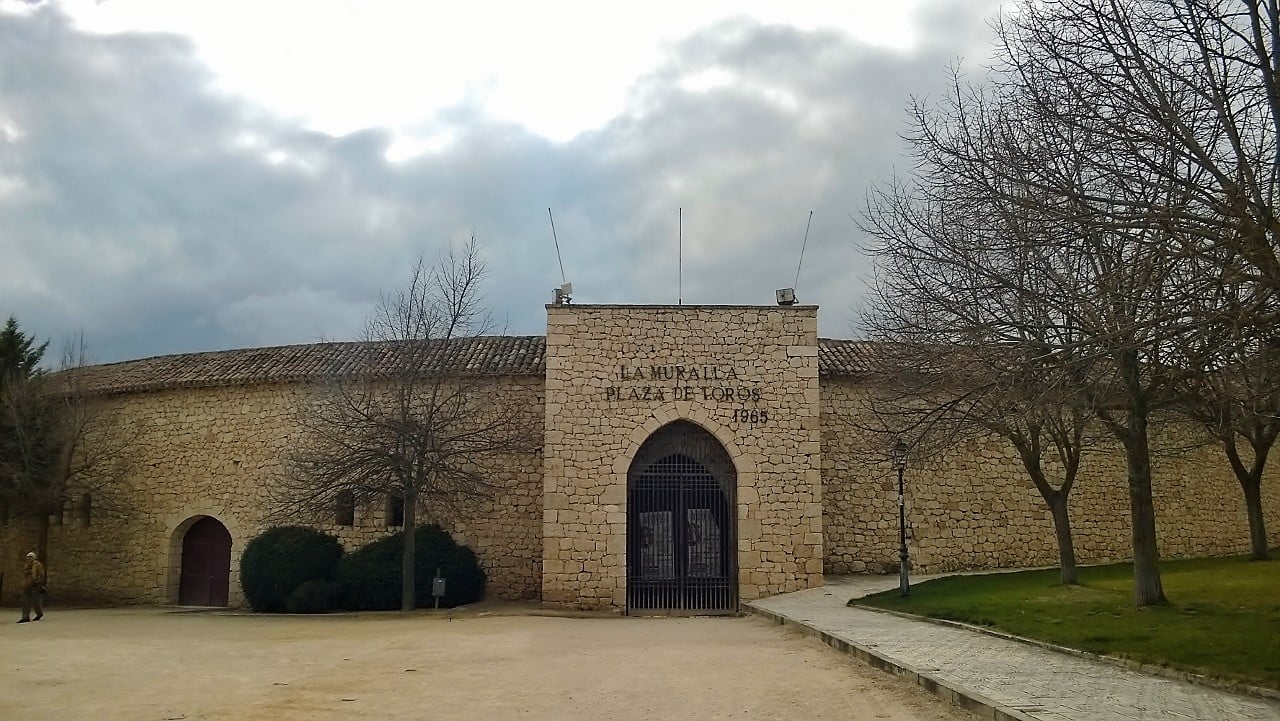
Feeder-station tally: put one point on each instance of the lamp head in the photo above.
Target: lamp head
(899, 455)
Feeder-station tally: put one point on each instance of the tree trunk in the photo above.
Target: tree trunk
(1147, 589)
(1257, 521)
(1056, 500)
(408, 590)
(1066, 548)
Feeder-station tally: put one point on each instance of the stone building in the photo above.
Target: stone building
(692, 457)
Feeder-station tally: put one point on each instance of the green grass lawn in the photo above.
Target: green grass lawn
(1222, 620)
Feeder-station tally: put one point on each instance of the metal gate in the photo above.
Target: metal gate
(206, 564)
(680, 525)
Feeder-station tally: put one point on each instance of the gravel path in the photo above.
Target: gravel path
(154, 665)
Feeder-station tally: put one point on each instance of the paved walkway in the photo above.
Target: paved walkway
(999, 678)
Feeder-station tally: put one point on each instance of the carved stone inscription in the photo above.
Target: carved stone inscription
(681, 382)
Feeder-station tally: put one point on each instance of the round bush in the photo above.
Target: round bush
(464, 579)
(370, 576)
(280, 560)
(314, 596)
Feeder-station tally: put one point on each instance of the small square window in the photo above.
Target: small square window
(395, 509)
(344, 510)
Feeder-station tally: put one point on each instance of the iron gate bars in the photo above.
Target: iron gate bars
(680, 539)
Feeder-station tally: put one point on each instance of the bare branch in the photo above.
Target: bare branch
(411, 419)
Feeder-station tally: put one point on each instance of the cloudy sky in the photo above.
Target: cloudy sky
(179, 176)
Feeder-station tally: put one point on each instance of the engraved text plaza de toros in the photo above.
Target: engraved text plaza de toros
(687, 382)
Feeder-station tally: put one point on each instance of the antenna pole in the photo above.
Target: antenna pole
(557, 240)
(802, 245)
(679, 256)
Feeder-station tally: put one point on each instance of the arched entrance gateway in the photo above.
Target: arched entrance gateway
(681, 523)
(206, 564)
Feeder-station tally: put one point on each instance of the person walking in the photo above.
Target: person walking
(33, 588)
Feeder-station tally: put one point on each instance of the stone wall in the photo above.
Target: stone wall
(810, 496)
(975, 508)
(17, 536)
(616, 374)
(215, 452)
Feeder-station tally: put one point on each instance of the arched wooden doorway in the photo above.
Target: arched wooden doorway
(681, 524)
(206, 564)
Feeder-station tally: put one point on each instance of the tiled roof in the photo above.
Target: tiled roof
(845, 357)
(485, 355)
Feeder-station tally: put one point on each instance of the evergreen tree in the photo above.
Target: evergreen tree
(19, 355)
(55, 442)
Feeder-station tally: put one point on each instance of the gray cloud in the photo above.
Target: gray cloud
(156, 215)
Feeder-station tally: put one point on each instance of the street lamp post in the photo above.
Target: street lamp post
(899, 455)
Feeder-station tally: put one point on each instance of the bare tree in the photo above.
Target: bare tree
(1240, 405)
(1048, 242)
(1187, 89)
(938, 397)
(1186, 95)
(414, 419)
(1235, 397)
(65, 448)
(968, 306)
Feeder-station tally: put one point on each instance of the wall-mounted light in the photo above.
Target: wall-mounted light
(562, 295)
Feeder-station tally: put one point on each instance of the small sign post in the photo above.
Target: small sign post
(437, 587)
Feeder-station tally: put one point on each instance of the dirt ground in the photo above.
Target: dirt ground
(161, 665)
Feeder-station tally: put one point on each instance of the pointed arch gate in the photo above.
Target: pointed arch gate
(682, 524)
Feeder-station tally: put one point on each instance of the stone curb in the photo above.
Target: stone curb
(1147, 668)
(430, 614)
(962, 697)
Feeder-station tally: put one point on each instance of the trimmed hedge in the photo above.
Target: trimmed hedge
(314, 596)
(370, 576)
(278, 562)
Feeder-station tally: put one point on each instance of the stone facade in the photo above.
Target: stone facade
(212, 432)
(617, 374)
(974, 507)
(214, 452)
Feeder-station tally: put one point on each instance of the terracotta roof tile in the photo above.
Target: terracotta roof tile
(845, 357)
(485, 355)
